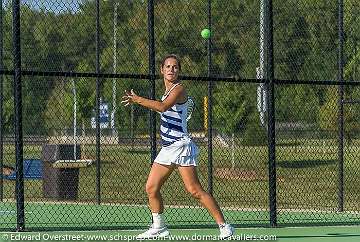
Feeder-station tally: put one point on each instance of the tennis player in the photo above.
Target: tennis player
(178, 151)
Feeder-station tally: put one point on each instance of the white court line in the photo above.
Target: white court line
(10, 212)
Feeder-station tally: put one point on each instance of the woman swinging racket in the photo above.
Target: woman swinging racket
(178, 151)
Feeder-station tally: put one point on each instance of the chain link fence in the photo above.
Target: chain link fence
(86, 157)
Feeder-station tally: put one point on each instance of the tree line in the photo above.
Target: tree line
(305, 48)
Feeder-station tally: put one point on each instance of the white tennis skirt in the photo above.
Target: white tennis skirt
(183, 152)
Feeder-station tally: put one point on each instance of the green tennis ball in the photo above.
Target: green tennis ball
(205, 33)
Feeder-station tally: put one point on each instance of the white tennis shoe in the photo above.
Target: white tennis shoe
(153, 233)
(226, 231)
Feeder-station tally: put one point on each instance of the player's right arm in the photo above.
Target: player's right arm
(176, 95)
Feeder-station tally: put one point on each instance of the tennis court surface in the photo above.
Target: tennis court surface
(322, 233)
(69, 222)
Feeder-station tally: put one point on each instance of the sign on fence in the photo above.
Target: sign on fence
(104, 116)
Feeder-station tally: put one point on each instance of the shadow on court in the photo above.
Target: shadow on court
(320, 233)
(339, 235)
(304, 163)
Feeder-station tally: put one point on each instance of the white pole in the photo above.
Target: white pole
(114, 69)
(261, 105)
(262, 42)
(261, 92)
(75, 109)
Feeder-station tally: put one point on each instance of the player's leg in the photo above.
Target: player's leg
(193, 186)
(157, 177)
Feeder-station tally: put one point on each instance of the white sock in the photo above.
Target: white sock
(158, 220)
(222, 225)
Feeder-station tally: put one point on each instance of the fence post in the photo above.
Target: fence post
(341, 107)
(209, 119)
(19, 189)
(151, 36)
(98, 167)
(1, 102)
(269, 76)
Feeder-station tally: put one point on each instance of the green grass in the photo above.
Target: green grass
(307, 178)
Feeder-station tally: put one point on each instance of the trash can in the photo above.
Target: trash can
(60, 183)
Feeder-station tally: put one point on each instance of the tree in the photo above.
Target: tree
(328, 115)
(297, 104)
(352, 40)
(230, 110)
(58, 114)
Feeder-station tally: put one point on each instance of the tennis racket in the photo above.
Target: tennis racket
(190, 108)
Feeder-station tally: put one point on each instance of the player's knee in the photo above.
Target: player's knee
(195, 191)
(151, 189)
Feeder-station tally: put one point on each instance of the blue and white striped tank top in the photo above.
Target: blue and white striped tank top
(173, 124)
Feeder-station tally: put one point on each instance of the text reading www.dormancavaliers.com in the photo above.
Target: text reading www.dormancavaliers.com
(122, 237)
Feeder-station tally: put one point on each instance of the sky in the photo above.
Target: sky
(56, 6)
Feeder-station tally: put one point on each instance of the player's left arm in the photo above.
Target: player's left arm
(176, 95)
